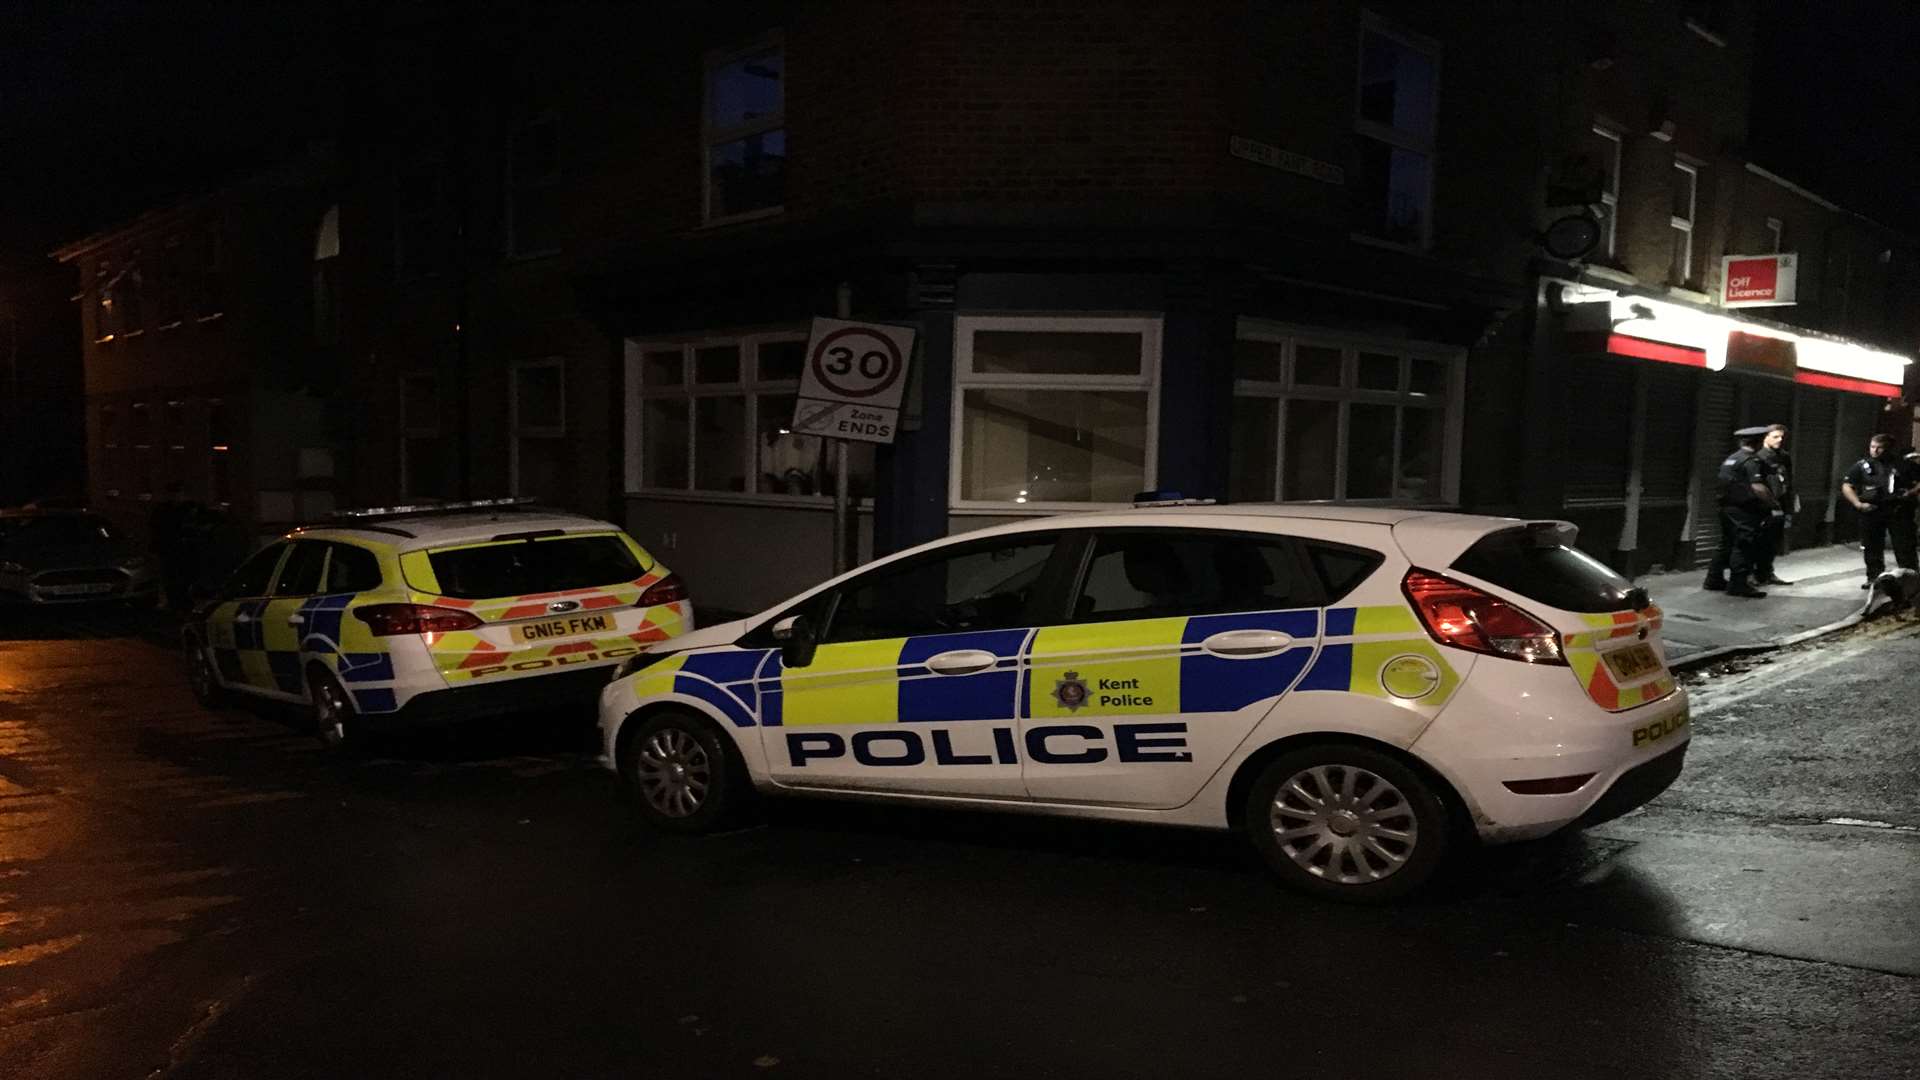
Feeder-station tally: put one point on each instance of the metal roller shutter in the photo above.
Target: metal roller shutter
(1765, 401)
(1667, 454)
(1714, 439)
(1811, 444)
(1600, 422)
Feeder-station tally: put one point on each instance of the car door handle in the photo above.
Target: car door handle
(296, 620)
(961, 662)
(1247, 643)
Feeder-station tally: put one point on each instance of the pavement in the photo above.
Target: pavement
(1703, 626)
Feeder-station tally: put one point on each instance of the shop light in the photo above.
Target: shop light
(1676, 324)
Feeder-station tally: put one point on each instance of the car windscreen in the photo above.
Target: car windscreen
(1536, 562)
(57, 530)
(546, 564)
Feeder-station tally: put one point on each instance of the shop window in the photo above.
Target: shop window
(1319, 420)
(745, 133)
(1054, 413)
(1395, 118)
(1605, 146)
(539, 428)
(715, 416)
(533, 186)
(1686, 191)
(423, 453)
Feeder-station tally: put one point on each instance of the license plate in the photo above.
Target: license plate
(75, 590)
(1633, 662)
(549, 629)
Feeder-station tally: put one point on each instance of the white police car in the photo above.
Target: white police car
(1355, 688)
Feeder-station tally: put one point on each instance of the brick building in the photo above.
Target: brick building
(1253, 251)
(208, 334)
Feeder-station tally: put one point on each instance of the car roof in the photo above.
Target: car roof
(411, 532)
(49, 512)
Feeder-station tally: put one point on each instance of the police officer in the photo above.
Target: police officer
(1746, 502)
(1786, 503)
(1881, 488)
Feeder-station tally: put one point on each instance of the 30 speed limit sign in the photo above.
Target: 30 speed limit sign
(853, 379)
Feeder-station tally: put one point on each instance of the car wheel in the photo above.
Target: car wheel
(334, 719)
(1347, 823)
(200, 675)
(684, 776)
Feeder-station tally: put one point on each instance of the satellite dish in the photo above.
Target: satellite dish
(1571, 237)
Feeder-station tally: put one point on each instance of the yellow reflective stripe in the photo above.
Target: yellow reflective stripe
(658, 679)
(1103, 640)
(418, 571)
(1122, 668)
(855, 682)
(1384, 619)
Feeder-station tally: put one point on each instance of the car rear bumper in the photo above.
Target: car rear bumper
(37, 596)
(569, 692)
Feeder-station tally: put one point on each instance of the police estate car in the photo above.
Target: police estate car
(415, 615)
(1355, 688)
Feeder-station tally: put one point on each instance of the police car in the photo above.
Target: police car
(1356, 689)
(413, 615)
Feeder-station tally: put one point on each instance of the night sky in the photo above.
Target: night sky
(109, 108)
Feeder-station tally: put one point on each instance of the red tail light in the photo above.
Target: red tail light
(668, 590)
(386, 620)
(1465, 617)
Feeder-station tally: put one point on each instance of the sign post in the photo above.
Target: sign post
(850, 390)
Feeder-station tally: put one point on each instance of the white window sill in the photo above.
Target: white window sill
(739, 498)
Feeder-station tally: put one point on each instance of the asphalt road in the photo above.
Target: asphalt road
(195, 894)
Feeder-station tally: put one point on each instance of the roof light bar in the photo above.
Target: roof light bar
(1166, 498)
(432, 508)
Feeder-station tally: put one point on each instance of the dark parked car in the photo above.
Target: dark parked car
(52, 556)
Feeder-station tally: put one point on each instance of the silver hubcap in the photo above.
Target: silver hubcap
(1344, 824)
(198, 671)
(673, 773)
(330, 713)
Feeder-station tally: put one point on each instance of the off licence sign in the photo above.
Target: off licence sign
(853, 379)
(1758, 280)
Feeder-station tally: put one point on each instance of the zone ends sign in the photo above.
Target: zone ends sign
(1758, 280)
(854, 376)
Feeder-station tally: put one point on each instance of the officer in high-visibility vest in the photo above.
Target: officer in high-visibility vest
(1746, 502)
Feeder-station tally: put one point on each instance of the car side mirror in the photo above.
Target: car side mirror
(797, 639)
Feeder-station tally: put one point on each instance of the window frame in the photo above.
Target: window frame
(1451, 408)
(1087, 543)
(1685, 225)
(1424, 145)
(1776, 231)
(712, 135)
(1610, 194)
(749, 385)
(411, 429)
(516, 429)
(286, 563)
(1150, 327)
(1050, 604)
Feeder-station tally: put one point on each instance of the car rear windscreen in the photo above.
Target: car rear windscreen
(1535, 562)
(534, 566)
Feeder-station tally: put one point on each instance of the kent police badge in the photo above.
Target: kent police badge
(1070, 692)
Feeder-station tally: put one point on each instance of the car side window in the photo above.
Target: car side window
(254, 575)
(1340, 568)
(1157, 573)
(302, 573)
(988, 585)
(352, 570)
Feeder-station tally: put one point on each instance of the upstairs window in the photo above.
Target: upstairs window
(416, 219)
(1604, 146)
(1686, 194)
(167, 284)
(533, 186)
(746, 133)
(1776, 233)
(210, 277)
(326, 278)
(1395, 118)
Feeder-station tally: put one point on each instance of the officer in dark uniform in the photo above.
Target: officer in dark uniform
(1882, 489)
(1786, 503)
(1746, 501)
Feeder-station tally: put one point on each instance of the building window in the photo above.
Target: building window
(210, 279)
(1054, 412)
(103, 315)
(746, 134)
(423, 462)
(533, 186)
(1776, 232)
(166, 285)
(110, 453)
(1686, 192)
(326, 278)
(176, 441)
(1323, 419)
(1395, 117)
(129, 298)
(716, 416)
(219, 452)
(539, 423)
(1605, 147)
(143, 455)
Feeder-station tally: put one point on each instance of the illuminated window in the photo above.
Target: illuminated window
(1339, 420)
(1396, 112)
(716, 415)
(1605, 147)
(1054, 412)
(746, 135)
(1686, 191)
